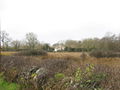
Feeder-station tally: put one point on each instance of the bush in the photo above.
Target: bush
(32, 52)
(103, 53)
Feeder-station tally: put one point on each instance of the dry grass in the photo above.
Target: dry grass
(6, 53)
(113, 62)
(76, 57)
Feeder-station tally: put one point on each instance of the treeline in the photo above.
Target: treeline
(29, 43)
(110, 42)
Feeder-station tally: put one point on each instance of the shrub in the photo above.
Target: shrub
(32, 52)
(103, 53)
(78, 75)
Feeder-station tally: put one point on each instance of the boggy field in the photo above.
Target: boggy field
(61, 71)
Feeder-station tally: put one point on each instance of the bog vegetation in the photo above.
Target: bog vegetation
(90, 64)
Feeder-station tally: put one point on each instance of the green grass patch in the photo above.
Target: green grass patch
(4, 85)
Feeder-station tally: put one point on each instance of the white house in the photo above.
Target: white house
(59, 48)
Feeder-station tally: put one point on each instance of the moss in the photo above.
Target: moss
(33, 75)
(59, 76)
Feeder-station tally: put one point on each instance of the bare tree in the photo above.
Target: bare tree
(16, 44)
(31, 40)
(0, 42)
(0, 39)
(4, 39)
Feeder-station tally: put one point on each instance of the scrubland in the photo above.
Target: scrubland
(61, 71)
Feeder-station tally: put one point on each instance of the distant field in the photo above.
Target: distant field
(7, 53)
(74, 56)
(77, 57)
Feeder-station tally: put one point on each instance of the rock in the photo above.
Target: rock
(33, 69)
(36, 76)
(40, 77)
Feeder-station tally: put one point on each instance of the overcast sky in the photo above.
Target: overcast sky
(54, 20)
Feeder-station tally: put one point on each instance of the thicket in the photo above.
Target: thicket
(56, 74)
(32, 52)
(108, 46)
(103, 53)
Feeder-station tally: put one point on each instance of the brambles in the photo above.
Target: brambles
(82, 79)
(55, 65)
(61, 71)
